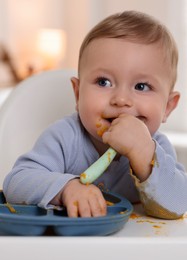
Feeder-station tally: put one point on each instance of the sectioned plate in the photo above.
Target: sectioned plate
(30, 220)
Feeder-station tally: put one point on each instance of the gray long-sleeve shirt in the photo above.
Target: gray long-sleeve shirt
(64, 151)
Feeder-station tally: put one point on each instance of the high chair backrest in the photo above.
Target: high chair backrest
(33, 104)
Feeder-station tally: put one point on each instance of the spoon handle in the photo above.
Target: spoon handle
(98, 167)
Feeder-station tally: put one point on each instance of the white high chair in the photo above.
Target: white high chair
(34, 104)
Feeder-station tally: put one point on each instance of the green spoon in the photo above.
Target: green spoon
(98, 167)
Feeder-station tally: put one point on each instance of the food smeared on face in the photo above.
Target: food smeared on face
(101, 128)
(123, 212)
(98, 124)
(101, 131)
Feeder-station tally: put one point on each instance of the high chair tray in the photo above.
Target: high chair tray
(30, 220)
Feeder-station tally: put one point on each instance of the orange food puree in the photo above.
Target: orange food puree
(83, 175)
(101, 131)
(109, 203)
(155, 226)
(75, 203)
(98, 124)
(11, 208)
(109, 158)
(134, 216)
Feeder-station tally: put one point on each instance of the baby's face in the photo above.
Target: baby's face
(118, 76)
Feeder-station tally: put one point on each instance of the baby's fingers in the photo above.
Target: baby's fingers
(94, 207)
(84, 208)
(98, 207)
(106, 137)
(72, 209)
(79, 209)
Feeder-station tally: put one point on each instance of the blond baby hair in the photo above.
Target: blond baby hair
(135, 27)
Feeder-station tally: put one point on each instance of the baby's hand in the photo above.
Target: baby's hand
(81, 200)
(130, 137)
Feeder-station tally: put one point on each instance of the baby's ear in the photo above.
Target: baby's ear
(171, 104)
(75, 85)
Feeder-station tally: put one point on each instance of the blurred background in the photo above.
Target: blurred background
(38, 35)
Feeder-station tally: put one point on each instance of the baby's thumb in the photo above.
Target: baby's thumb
(105, 137)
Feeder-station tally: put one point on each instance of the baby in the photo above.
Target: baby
(124, 91)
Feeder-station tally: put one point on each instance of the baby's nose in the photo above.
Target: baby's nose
(122, 98)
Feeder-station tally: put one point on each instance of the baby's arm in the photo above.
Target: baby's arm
(162, 182)
(38, 176)
(81, 200)
(164, 193)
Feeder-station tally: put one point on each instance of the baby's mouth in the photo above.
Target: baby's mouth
(110, 120)
(101, 128)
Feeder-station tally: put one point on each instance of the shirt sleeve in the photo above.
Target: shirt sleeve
(164, 193)
(38, 175)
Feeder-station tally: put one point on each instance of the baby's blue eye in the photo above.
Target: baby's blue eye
(142, 86)
(104, 82)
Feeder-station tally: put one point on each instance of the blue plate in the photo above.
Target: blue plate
(30, 220)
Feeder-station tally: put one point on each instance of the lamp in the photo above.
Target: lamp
(51, 47)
